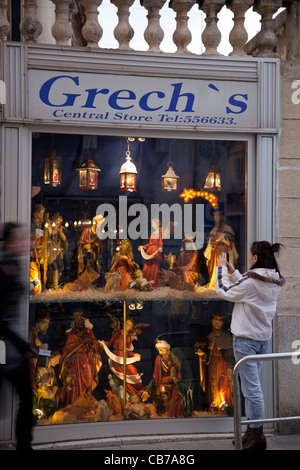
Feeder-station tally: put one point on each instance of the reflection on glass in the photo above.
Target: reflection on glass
(125, 312)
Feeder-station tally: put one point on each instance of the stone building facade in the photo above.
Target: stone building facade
(68, 24)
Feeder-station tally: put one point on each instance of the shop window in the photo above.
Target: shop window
(103, 258)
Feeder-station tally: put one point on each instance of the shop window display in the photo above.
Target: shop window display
(123, 306)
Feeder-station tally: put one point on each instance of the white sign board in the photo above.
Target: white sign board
(142, 101)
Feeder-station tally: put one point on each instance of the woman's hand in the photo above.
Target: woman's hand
(222, 261)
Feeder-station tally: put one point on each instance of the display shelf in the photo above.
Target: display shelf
(100, 295)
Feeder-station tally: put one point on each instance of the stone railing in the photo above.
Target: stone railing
(78, 22)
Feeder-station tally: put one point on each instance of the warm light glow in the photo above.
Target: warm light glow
(169, 180)
(52, 169)
(88, 175)
(213, 179)
(128, 175)
(188, 194)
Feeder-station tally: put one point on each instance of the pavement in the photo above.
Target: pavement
(174, 444)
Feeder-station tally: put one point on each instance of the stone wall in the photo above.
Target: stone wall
(287, 325)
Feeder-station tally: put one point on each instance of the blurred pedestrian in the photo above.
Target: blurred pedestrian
(255, 296)
(16, 243)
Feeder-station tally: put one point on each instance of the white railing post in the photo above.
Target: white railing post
(266, 38)
(91, 30)
(4, 24)
(211, 36)
(238, 35)
(30, 27)
(123, 31)
(153, 34)
(62, 29)
(182, 35)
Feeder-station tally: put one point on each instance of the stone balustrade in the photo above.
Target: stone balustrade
(269, 42)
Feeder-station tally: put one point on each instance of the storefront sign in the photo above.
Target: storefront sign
(142, 101)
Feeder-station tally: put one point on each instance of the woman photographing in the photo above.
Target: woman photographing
(255, 295)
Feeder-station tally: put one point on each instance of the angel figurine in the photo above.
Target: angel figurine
(116, 356)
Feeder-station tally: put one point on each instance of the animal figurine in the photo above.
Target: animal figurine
(83, 282)
(169, 278)
(114, 403)
(103, 411)
(82, 409)
(112, 280)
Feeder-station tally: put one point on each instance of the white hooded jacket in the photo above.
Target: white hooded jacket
(255, 295)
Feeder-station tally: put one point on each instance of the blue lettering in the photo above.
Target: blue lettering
(114, 97)
(45, 91)
(144, 100)
(92, 93)
(239, 104)
(175, 97)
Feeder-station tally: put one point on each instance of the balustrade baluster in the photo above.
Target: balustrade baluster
(62, 29)
(182, 35)
(91, 31)
(30, 27)
(211, 36)
(153, 34)
(123, 31)
(266, 38)
(238, 35)
(4, 24)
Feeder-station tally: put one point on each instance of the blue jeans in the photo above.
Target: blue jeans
(250, 376)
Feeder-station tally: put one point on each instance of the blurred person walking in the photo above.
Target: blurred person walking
(16, 243)
(255, 296)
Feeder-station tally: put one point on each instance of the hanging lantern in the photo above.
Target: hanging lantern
(88, 175)
(213, 179)
(52, 169)
(128, 174)
(170, 179)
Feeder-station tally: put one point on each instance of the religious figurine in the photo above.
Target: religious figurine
(47, 389)
(220, 364)
(140, 282)
(135, 409)
(221, 239)
(57, 247)
(37, 337)
(37, 233)
(122, 268)
(151, 253)
(186, 265)
(200, 349)
(164, 383)
(81, 355)
(116, 356)
(90, 247)
(39, 329)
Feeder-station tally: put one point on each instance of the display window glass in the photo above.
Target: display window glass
(123, 307)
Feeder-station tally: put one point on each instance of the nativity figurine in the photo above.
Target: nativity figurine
(56, 249)
(116, 356)
(221, 239)
(81, 356)
(90, 247)
(163, 386)
(220, 363)
(152, 253)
